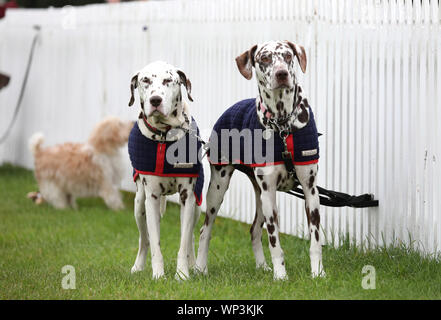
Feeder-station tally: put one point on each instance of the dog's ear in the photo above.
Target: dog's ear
(133, 86)
(4, 80)
(186, 83)
(300, 53)
(245, 62)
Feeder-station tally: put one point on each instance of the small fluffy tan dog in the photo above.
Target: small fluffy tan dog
(71, 170)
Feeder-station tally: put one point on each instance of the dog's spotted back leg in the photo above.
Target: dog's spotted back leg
(219, 182)
(256, 227)
(268, 185)
(141, 222)
(192, 257)
(307, 176)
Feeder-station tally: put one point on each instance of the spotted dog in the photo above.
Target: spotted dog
(280, 109)
(164, 123)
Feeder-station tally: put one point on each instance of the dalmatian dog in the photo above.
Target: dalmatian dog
(279, 105)
(164, 119)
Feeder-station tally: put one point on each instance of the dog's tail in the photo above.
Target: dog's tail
(35, 142)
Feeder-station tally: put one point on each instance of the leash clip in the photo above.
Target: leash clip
(287, 156)
(284, 134)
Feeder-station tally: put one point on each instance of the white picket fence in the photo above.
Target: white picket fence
(373, 80)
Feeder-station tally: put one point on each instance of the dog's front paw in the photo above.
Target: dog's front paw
(317, 270)
(318, 274)
(158, 275)
(200, 270)
(114, 202)
(119, 206)
(136, 268)
(181, 276)
(280, 277)
(279, 270)
(263, 266)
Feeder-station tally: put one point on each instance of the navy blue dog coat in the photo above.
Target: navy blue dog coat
(149, 157)
(302, 143)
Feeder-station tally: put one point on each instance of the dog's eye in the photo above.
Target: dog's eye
(265, 58)
(288, 57)
(166, 81)
(146, 80)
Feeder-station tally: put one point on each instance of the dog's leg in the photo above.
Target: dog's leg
(308, 179)
(188, 202)
(268, 186)
(163, 205)
(53, 195)
(153, 216)
(192, 257)
(111, 196)
(72, 201)
(141, 222)
(219, 182)
(256, 229)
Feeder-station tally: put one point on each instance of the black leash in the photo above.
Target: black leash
(331, 198)
(327, 197)
(23, 86)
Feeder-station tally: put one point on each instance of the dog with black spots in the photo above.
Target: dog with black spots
(162, 113)
(280, 104)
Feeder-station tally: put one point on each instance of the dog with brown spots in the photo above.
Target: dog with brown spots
(279, 108)
(164, 120)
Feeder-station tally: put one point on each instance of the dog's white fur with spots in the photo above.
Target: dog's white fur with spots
(159, 87)
(274, 67)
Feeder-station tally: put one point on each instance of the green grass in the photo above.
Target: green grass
(37, 241)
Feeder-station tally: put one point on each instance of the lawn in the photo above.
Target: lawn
(37, 241)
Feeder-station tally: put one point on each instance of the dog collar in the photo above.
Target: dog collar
(276, 122)
(265, 111)
(269, 115)
(154, 130)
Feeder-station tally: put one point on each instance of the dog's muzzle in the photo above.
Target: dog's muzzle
(282, 80)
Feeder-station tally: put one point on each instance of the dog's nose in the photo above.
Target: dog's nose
(282, 75)
(155, 101)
